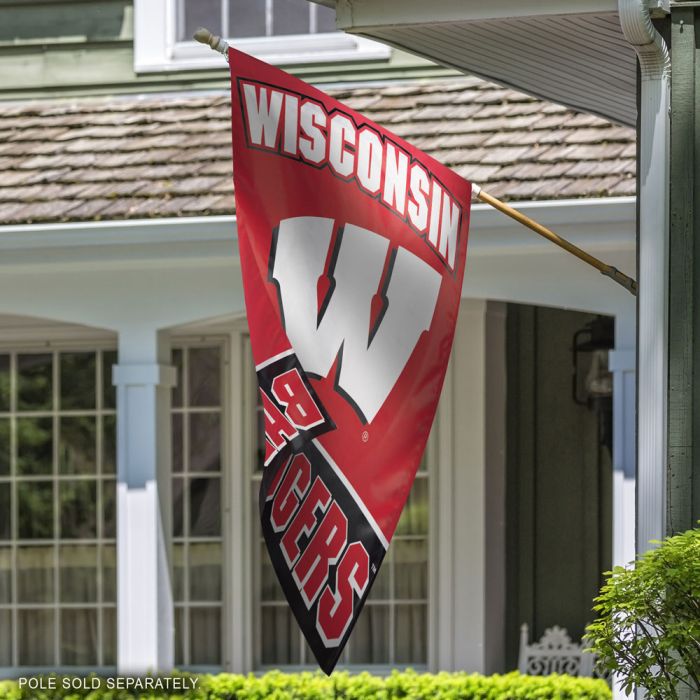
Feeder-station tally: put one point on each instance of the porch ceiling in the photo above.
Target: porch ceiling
(566, 51)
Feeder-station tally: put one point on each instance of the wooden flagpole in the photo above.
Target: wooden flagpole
(204, 36)
(608, 270)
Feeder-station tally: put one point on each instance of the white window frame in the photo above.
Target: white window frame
(157, 50)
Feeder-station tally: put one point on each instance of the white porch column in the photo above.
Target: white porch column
(145, 620)
(622, 362)
(469, 584)
(654, 136)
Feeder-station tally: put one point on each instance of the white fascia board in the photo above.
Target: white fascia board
(128, 232)
(354, 15)
(606, 222)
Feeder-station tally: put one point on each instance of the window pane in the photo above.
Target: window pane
(423, 466)
(109, 391)
(34, 446)
(4, 382)
(414, 519)
(78, 637)
(36, 630)
(270, 588)
(179, 572)
(205, 636)
(5, 512)
(246, 18)
(109, 574)
(280, 636)
(78, 574)
(34, 382)
(180, 614)
(381, 588)
(370, 638)
(200, 13)
(77, 452)
(411, 569)
(5, 638)
(5, 576)
(205, 508)
(35, 510)
(178, 508)
(109, 444)
(5, 446)
(78, 509)
(177, 389)
(205, 572)
(411, 634)
(109, 509)
(177, 437)
(77, 380)
(205, 376)
(109, 636)
(260, 439)
(325, 19)
(290, 17)
(205, 442)
(35, 567)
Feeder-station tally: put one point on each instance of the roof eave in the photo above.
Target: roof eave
(353, 15)
(566, 51)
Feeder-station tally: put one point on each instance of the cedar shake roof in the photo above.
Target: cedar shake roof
(161, 156)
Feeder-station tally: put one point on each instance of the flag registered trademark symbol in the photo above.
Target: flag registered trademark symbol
(365, 436)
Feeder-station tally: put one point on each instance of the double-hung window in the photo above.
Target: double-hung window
(278, 31)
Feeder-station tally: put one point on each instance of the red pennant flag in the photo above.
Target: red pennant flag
(352, 247)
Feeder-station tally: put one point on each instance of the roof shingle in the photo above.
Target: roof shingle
(154, 156)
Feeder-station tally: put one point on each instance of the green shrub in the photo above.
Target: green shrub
(648, 626)
(343, 686)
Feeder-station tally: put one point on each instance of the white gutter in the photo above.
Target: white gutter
(210, 230)
(653, 217)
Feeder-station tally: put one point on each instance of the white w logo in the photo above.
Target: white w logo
(372, 359)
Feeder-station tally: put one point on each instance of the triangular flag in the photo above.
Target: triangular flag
(352, 247)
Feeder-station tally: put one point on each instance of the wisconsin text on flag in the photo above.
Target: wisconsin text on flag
(301, 128)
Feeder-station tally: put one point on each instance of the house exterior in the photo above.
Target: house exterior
(129, 433)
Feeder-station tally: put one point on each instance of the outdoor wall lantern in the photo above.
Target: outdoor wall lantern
(594, 388)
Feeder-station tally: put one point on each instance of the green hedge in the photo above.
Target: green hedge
(343, 686)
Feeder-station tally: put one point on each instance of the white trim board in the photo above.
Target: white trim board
(212, 230)
(353, 14)
(156, 49)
